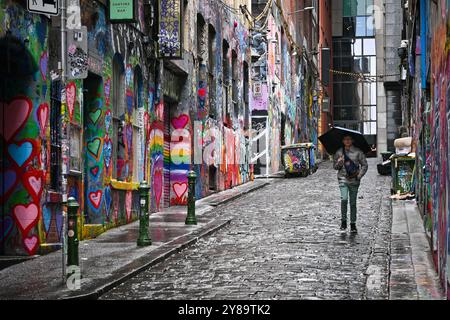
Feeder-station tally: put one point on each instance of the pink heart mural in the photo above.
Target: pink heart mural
(42, 115)
(26, 217)
(17, 113)
(157, 187)
(33, 181)
(180, 189)
(128, 204)
(71, 96)
(180, 122)
(31, 244)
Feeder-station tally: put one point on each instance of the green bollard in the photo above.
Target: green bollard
(144, 216)
(72, 232)
(191, 219)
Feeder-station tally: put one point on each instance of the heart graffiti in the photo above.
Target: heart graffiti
(107, 89)
(108, 200)
(95, 115)
(33, 181)
(26, 217)
(31, 244)
(71, 96)
(94, 148)
(96, 198)
(42, 115)
(46, 217)
(22, 152)
(17, 113)
(128, 204)
(180, 189)
(8, 181)
(157, 187)
(180, 122)
(94, 171)
(43, 62)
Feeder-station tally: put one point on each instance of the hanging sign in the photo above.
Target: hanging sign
(49, 7)
(170, 30)
(122, 11)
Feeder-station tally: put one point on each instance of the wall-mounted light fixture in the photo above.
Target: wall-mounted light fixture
(301, 10)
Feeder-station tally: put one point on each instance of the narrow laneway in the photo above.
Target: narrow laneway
(284, 242)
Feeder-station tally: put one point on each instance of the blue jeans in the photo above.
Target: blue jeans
(348, 191)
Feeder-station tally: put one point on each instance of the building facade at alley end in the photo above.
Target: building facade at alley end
(217, 87)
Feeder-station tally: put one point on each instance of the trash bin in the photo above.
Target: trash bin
(402, 174)
(299, 159)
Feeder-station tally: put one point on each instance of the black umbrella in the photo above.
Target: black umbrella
(332, 140)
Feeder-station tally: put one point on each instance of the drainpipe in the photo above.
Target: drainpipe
(63, 137)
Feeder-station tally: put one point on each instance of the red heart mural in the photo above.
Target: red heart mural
(33, 181)
(42, 115)
(95, 170)
(17, 113)
(26, 217)
(31, 244)
(71, 96)
(96, 198)
(180, 189)
(180, 122)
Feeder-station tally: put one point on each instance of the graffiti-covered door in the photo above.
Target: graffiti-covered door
(94, 139)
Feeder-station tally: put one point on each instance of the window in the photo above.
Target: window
(211, 71)
(118, 102)
(246, 95)
(201, 41)
(234, 83)
(355, 102)
(55, 132)
(75, 148)
(225, 78)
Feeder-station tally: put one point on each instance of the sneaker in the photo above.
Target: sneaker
(344, 225)
(353, 228)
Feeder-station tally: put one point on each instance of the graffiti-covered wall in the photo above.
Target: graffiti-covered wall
(105, 115)
(26, 221)
(284, 85)
(430, 98)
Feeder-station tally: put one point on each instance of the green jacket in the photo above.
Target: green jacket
(358, 157)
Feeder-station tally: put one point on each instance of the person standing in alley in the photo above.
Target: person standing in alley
(351, 164)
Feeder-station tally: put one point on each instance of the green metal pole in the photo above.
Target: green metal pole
(72, 232)
(144, 216)
(191, 219)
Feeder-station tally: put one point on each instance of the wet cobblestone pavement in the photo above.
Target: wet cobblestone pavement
(284, 243)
